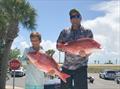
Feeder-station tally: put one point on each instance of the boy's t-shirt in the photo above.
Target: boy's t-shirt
(34, 76)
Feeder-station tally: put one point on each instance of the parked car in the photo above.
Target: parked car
(18, 73)
(52, 84)
(117, 80)
(117, 77)
(108, 74)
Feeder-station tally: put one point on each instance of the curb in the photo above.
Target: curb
(10, 87)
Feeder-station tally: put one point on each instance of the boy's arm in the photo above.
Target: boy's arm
(25, 60)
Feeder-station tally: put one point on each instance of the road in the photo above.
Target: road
(98, 83)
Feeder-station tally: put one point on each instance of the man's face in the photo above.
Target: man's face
(75, 19)
(35, 42)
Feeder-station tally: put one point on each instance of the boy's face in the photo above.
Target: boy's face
(35, 42)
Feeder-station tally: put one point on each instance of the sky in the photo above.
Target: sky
(101, 16)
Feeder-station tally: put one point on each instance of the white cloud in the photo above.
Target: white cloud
(23, 45)
(106, 29)
(20, 43)
(47, 44)
(101, 39)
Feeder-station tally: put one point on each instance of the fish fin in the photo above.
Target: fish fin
(84, 38)
(64, 76)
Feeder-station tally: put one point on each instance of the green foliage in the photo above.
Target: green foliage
(50, 52)
(14, 53)
(101, 67)
(17, 10)
(109, 62)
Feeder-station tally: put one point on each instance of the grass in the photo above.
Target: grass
(96, 68)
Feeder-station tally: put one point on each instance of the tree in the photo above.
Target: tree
(16, 12)
(50, 52)
(109, 62)
(98, 62)
(14, 53)
(95, 61)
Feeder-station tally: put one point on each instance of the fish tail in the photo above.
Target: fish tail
(64, 76)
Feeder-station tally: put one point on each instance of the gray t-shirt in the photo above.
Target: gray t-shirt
(73, 62)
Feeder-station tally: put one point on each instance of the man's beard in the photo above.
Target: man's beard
(36, 48)
(75, 26)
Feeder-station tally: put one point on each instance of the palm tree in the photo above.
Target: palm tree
(3, 23)
(17, 12)
(14, 53)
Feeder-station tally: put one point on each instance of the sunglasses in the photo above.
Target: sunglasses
(75, 16)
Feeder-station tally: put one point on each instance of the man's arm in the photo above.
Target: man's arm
(60, 40)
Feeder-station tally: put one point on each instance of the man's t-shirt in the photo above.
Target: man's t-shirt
(73, 62)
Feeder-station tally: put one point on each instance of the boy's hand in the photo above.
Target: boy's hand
(28, 62)
(51, 72)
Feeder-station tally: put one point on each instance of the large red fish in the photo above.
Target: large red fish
(86, 45)
(46, 64)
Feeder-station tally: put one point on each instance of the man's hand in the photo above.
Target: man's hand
(83, 54)
(60, 46)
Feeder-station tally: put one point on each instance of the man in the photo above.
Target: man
(34, 77)
(75, 65)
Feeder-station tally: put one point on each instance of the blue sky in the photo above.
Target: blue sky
(53, 16)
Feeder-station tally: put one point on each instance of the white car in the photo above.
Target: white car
(18, 73)
(108, 74)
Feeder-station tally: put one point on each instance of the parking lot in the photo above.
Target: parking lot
(103, 84)
(98, 83)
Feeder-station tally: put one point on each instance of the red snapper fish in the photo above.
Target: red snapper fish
(46, 63)
(86, 45)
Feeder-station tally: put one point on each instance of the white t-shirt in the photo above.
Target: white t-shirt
(33, 75)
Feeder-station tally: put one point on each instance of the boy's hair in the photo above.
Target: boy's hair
(35, 34)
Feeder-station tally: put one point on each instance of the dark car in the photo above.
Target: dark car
(117, 80)
(91, 79)
(108, 74)
(52, 84)
(117, 77)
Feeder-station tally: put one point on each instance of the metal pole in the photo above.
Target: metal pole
(14, 79)
(59, 57)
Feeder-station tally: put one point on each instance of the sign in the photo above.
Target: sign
(14, 64)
